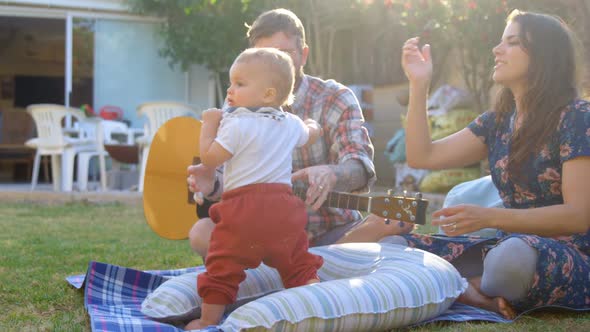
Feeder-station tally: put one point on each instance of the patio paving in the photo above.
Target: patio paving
(43, 193)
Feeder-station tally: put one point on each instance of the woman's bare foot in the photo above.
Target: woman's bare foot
(473, 296)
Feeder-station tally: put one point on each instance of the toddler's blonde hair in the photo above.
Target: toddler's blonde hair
(279, 67)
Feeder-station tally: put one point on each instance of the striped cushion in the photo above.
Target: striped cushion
(176, 300)
(365, 287)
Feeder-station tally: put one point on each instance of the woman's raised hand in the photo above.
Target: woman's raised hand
(416, 62)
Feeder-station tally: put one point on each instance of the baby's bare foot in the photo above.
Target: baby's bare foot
(312, 281)
(210, 315)
(196, 324)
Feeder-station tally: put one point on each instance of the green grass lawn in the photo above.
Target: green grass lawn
(43, 244)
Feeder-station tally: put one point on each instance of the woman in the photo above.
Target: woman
(537, 140)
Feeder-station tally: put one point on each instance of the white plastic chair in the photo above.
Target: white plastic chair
(102, 132)
(157, 113)
(52, 141)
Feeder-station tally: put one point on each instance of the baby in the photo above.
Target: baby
(258, 218)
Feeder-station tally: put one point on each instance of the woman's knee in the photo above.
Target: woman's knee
(511, 255)
(509, 269)
(199, 236)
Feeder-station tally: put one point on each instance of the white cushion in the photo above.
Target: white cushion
(177, 299)
(481, 192)
(365, 287)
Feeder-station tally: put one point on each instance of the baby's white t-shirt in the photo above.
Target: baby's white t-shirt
(261, 142)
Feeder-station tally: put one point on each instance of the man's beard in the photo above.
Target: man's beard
(298, 77)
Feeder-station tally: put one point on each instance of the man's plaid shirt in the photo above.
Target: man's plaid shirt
(338, 112)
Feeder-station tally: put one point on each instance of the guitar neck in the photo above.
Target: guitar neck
(339, 200)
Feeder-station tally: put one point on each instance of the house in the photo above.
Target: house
(94, 52)
(83, 52)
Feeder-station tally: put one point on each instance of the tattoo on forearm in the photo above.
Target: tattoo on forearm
(350, 176)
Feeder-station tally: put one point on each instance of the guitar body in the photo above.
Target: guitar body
(166, 201)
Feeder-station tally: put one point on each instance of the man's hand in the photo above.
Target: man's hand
(315, 131)
(200, 179)
(321, 180)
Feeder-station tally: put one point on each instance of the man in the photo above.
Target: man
(342, 160)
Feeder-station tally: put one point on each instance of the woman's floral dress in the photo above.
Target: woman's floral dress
(563, 269)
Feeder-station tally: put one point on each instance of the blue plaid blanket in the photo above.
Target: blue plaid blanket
(113, 297)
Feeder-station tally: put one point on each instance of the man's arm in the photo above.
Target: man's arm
(349, 140)
(314, 131)
(354, 170)
(351, 175)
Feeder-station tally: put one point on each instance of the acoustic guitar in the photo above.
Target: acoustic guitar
(169, 207)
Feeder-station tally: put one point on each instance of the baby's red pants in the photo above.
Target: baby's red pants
(256, 223)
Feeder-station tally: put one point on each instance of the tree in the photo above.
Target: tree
(351, 40)
(204, 32)
(354, 41)
(476, 27)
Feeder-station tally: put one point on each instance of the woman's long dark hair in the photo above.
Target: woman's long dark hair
(552, 85)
